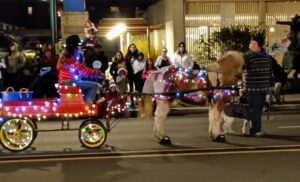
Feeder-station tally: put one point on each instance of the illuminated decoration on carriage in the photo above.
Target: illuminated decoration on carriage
(187, 76)
(41, 108)
(117, 109)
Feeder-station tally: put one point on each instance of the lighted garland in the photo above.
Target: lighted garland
(185, 75)
(115, 109)
(43, 109)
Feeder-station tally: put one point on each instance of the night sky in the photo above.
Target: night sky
(15, 11)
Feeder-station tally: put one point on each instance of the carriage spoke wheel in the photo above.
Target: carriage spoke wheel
(17, 134)
(92, 134)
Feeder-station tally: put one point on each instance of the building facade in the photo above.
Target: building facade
(191, 20)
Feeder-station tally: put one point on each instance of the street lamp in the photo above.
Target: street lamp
(53, 22)
(116, 31)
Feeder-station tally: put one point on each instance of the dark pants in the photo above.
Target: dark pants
(139, 82)
(131, 84)
(256, 101)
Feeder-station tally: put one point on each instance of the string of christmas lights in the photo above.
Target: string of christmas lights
(70, 103)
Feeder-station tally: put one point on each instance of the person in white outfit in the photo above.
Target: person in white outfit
(138, 68)
(182, 58)
(163, 60)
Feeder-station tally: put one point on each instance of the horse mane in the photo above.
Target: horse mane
(230, 66)
(233, 54)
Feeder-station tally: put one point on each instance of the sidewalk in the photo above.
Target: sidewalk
(291, 104)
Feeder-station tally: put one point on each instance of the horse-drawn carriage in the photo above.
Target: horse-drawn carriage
(19, 114)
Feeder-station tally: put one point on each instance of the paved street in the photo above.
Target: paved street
(132, 154)
(188, 131)
(247, 167)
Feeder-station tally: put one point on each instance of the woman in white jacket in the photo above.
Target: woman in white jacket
(182, 58)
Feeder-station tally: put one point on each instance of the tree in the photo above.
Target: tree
(235, 37)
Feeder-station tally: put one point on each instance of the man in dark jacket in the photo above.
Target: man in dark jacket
(258, 79)
(95, 58)
(101, 60)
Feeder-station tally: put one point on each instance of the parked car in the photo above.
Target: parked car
(5, 41)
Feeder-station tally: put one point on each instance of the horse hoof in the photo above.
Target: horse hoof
(220, 138)
(165, 141)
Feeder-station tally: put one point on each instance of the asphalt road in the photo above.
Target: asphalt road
(185, 131)
(133, 154)
(259, 167)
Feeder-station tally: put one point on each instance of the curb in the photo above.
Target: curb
(282, 109)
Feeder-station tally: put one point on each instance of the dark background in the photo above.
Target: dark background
(14, 12)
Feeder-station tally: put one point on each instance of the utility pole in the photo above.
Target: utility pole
(53, 24)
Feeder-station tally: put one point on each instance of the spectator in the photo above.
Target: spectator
(258, 79)
(112, 94)
(91, 39)
(48, 81)
(111, 98)
(163, 60)
(130, 57)
(89, 55)
(100, 61)
(72, 71)
(117, 63)
(182, 58)
(138, 68)
(148, 68)
(122, 80)
(14, 61)
(89, 59)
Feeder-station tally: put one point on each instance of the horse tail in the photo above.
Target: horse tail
(145, 107)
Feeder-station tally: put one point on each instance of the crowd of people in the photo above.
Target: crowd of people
(89, 64)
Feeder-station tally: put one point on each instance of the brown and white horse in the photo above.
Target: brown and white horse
(227, 70)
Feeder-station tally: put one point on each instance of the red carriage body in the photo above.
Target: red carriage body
(70, 104)
(18, 127)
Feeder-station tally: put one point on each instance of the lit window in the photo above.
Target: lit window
(114, 9)
(29, 10)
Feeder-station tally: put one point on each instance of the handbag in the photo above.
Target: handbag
(240, 109)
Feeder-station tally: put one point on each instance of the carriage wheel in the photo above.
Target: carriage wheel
(92, 134)
(17, 134)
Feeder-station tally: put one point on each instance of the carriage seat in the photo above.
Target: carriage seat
(70, 94)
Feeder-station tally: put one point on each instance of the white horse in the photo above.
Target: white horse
(227, 70)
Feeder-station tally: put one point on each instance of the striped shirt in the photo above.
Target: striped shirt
(258, 72)
(72, 70)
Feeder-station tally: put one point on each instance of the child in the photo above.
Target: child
(138, 68)
(122, 80)
(113, 95)
(113, 101)
(148, 68)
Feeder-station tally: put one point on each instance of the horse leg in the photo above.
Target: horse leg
(215, 118)
(246, 127)
(227, 126)
(160, 115)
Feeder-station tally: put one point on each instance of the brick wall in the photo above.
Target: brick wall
(73, 23)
